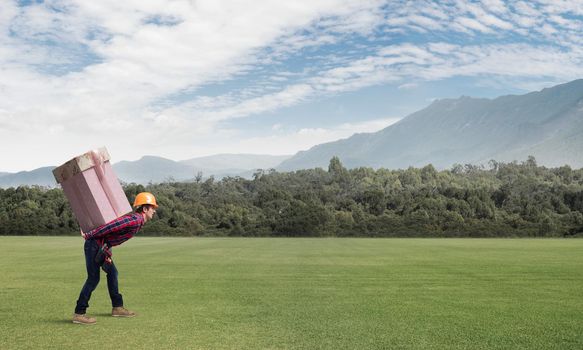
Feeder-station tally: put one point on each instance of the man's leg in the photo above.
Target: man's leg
(92, 281)
(112, 284)
(117, 309)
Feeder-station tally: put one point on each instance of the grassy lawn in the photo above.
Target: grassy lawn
(234, 293)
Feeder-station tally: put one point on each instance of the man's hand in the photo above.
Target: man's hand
(83, 234)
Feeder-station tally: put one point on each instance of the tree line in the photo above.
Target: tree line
(501, 200)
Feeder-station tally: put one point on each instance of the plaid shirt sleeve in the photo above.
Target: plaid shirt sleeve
(119, 230)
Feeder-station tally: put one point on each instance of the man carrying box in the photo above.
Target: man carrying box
(98, 243)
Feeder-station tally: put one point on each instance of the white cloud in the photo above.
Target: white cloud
(526, 9)
(408, 86)
(496, 6)
(472, 24)
(494, 21)
(287, 97)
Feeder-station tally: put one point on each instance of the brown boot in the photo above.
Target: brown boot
(83, 319)
(120, 311)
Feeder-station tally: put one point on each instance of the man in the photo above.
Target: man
(98, 243)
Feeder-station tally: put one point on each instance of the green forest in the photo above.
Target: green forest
(516, 199)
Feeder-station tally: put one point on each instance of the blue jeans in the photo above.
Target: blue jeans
(93, 272)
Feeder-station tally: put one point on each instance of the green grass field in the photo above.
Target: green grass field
(236, 293)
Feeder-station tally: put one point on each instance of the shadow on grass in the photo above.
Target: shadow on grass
(60, 321)
(70, 321)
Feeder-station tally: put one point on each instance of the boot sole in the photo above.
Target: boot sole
(84, 323)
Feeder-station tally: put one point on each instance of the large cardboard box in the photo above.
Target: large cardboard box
(92, 189)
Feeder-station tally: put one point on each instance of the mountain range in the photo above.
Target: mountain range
(157, 169)
(546, 124)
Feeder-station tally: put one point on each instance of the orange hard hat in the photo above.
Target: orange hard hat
(145, 198)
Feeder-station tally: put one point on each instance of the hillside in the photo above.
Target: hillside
(547, 124)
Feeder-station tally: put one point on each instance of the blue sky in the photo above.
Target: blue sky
(181, 79)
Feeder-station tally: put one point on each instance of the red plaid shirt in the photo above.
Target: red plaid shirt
(117, 231)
